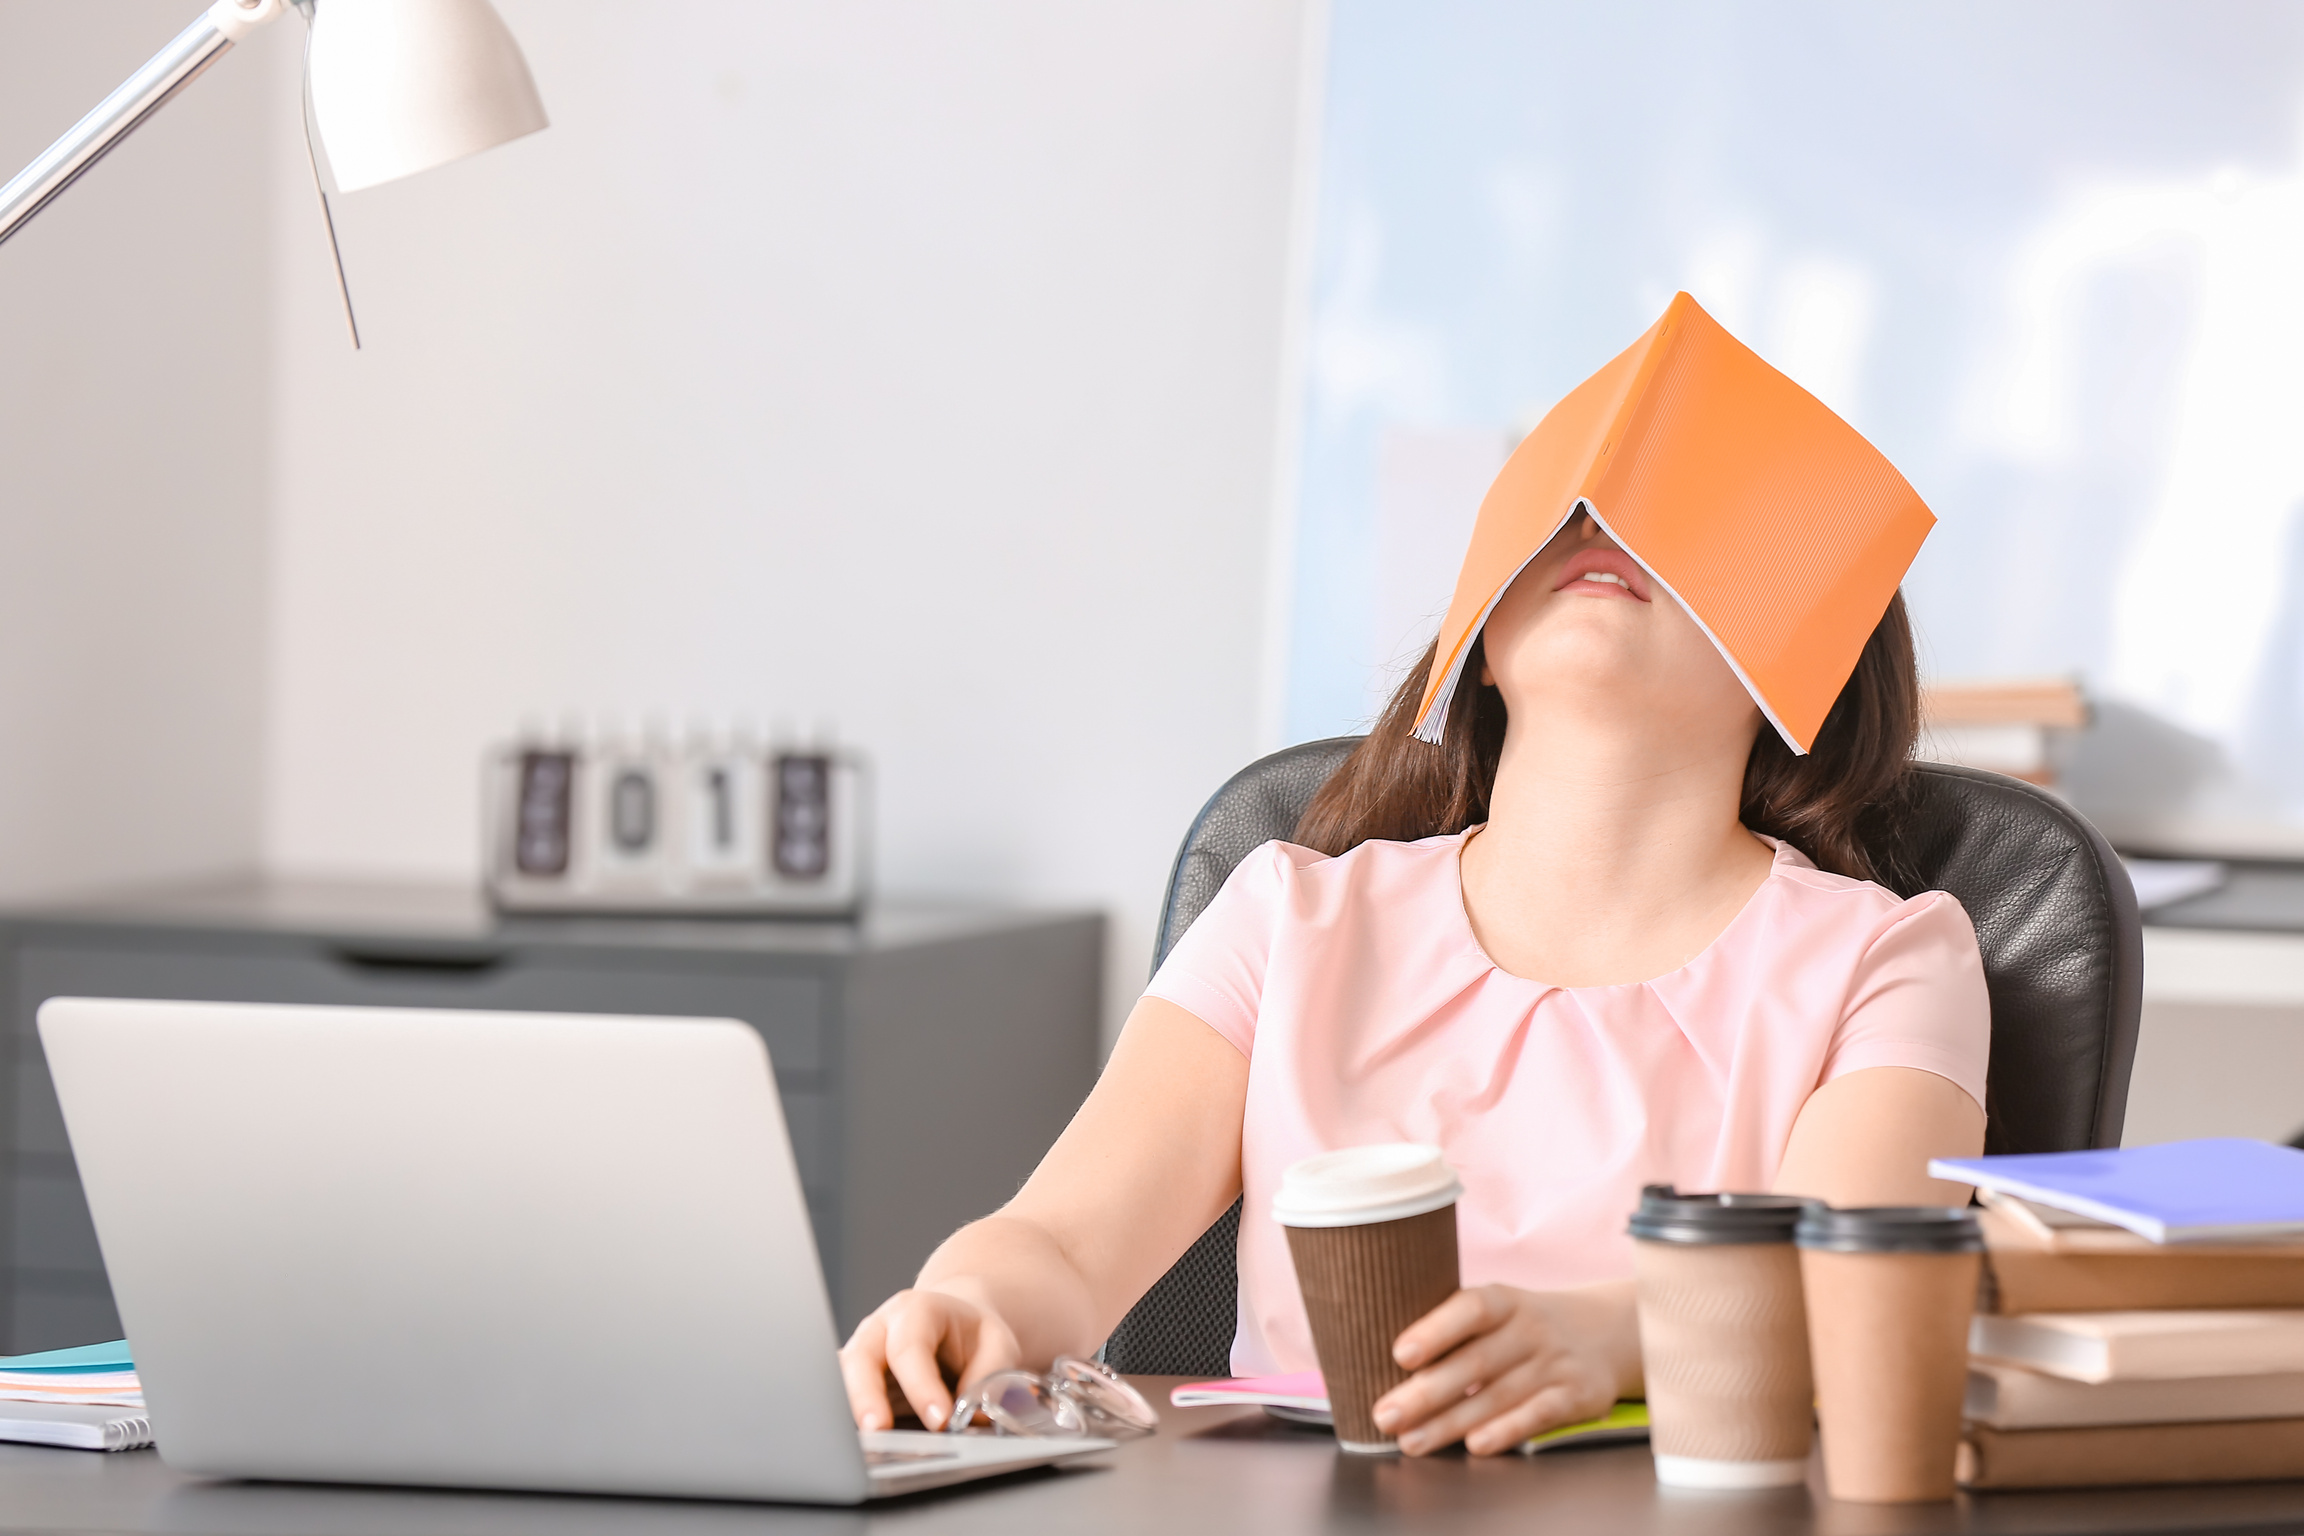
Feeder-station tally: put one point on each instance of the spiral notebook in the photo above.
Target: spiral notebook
(76, 1426)
(86, 1399)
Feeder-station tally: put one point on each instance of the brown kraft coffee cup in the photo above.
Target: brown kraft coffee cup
(1373, 1233)
(1890, 1290)
(1723, 1338)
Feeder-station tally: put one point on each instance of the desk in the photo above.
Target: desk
(1208, 1471)
(2221, 1052)
(972, 1027)
(2222, 1047)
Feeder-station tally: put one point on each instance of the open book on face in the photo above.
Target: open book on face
(1780, 530)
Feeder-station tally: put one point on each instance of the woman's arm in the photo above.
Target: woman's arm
(1151, 1159)
(1865, 1139)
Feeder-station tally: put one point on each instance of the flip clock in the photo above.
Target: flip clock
(704, 827)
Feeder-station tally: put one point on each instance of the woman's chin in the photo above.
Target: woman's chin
(1593, 657)
(1580, 662)
(1624, 704)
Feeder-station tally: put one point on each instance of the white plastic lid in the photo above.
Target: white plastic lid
(1361, 1185)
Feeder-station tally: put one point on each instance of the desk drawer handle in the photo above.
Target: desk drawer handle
(415, 964)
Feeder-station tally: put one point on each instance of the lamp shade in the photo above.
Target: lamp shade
(400, 86)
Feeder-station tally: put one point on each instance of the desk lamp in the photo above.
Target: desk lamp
(398, 86)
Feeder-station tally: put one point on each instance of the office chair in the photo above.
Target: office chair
(2055, 918)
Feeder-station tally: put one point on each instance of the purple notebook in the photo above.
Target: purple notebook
(2216, 1190)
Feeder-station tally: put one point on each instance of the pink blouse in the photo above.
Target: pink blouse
(1369, 1012)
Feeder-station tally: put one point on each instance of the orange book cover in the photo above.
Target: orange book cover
(1779, 529)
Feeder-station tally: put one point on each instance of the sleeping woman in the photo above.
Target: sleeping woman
(1612, 931)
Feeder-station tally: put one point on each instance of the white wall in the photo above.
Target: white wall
(135, 424)
(910, 365)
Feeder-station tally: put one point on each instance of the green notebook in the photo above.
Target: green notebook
(1624, 1422)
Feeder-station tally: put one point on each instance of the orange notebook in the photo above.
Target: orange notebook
(1772, 521)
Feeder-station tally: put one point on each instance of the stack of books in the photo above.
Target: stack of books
(2012, 726)
(87, 1399)
(2142, 1317)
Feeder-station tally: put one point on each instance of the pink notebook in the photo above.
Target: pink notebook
(1302, 1398)
(1304, 1391)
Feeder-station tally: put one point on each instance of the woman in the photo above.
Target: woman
(1615, 965)
(1584, 923)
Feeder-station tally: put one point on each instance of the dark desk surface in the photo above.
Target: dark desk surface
(452, 919)
(1208, 1471)
(2257, 897)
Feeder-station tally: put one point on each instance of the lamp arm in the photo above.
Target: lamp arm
(119, 114)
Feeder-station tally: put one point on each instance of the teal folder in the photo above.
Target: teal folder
(81, 1357)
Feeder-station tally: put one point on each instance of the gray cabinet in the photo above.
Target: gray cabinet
(926, 1056)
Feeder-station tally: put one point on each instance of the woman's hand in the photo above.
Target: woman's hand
(1149, 1161)
(920, 1338)
(1494, 1365)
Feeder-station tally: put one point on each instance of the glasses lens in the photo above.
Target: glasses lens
(1103, 1404)
(1018, 1403)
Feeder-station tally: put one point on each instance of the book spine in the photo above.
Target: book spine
(2035, 1345)
(2009, 1398)
(2032, 1281)
(2148, 1227)
(1620, 449)
(2131, 1455)
(2273, 1349)
(2066, 1345)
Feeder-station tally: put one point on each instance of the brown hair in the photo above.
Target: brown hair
(1839, 805)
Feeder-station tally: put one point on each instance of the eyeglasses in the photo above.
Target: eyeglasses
(1075, 1397)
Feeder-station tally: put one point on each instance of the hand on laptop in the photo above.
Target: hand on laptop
(921, 1344)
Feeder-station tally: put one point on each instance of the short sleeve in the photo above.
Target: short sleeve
(1918, 999)
(1215, 972)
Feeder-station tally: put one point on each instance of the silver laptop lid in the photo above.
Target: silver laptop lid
(496, 1250)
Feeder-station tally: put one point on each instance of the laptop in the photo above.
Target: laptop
(558, 1252)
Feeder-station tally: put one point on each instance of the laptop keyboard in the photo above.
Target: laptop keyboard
(889, 1458)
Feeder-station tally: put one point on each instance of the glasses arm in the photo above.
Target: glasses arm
(121, 113)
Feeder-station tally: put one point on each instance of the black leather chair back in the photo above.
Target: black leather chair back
(2055, 918)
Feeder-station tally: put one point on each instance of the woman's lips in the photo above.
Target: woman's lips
(1603, 573)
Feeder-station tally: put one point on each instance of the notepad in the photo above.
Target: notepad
(2221, 1189)
(75, 1426)
(1302, 1397)
(94, 1374)
(1303, 1391)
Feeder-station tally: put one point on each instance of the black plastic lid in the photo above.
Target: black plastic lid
(1890, 1229)
(1667, 1216)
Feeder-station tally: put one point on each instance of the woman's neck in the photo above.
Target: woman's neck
(1609, 856)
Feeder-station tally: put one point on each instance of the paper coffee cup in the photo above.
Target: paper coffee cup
(1373, 1233)
(1890, 1290)
(1723, 1338)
